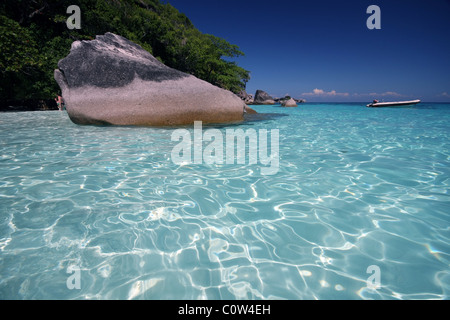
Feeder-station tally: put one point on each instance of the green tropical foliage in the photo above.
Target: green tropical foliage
(34, 37)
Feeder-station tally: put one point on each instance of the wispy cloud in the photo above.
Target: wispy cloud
(379, 95)
(322, 93)
(345, 96)
(391, 94)
(383, 94)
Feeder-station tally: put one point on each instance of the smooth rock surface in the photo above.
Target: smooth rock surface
(111, 80)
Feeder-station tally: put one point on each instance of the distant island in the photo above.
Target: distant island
(263, 98)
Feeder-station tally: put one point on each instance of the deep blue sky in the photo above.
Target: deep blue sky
(322, 50)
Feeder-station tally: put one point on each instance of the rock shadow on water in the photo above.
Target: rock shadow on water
(249, 119)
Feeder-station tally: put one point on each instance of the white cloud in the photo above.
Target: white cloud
(321, 92)
(391, 93)
(383, 94)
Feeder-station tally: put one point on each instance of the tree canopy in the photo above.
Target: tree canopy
(34, 37)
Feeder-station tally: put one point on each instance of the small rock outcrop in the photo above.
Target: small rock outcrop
(249, 110)
(111, 80)
(262, 97)
(247, 98)
(289, 103)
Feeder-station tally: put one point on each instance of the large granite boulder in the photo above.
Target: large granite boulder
(262, 97)
(111, 80)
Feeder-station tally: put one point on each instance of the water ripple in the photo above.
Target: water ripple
(355, 188)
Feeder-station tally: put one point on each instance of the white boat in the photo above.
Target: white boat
(392, 104)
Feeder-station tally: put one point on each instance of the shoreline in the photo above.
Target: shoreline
(28, 105)
(50, 105)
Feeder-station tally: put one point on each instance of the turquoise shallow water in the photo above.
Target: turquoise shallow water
(356, 187)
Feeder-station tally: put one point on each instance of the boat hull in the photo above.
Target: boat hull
(393, 104)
